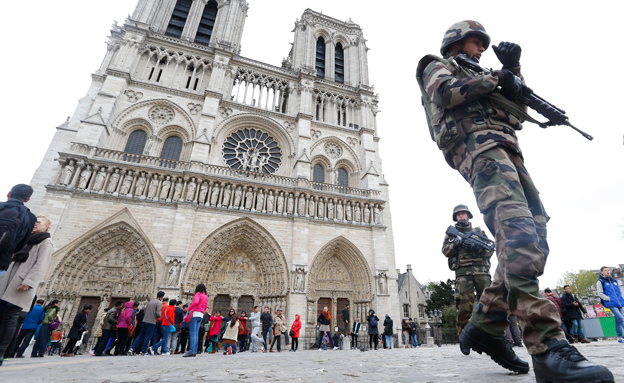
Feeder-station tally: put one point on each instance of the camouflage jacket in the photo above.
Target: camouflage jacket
(462, 119)
(462, 261)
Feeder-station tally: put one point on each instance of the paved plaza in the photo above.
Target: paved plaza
(444, 364)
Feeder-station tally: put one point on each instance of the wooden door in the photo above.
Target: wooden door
(342, 303)
(246, 304)
(221, 303)
(322, 302)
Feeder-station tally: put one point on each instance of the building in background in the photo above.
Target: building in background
(187, 163)
(412, 297)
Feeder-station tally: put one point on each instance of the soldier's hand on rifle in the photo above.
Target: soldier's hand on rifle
(508, 54)
(511, 85)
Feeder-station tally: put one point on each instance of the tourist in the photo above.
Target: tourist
(230, 337)
(279, 328)
(242, 332)
(168, 320)
(405, 329)
(325, 320)
(174, 337)
(215, 329)
(196, 310)
(126, 318)
(55, 339)
(355, 329)
(108, 325)
(51, 313)
(413, 332)
(78, 327)
(255, 328)
(29, 328)
(373, 329)
(267, 323)
(150, 316)
(294, 335)
(388, 332)
(184, 334)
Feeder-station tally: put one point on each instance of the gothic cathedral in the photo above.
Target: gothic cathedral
(187, 163)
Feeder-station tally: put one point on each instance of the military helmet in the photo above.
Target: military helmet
(462, 29)
(460, 208)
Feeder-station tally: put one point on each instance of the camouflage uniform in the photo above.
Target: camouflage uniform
(478, 139)
(472, 273)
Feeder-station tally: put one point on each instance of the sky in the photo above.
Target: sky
(567, 59)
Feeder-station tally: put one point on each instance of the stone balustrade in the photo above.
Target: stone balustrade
(118, 174)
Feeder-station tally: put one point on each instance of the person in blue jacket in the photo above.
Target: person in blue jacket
(611, 295)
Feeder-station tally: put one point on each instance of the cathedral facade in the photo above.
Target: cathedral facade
(187, 163)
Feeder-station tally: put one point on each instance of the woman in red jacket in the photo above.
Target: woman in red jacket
(215, 328)
(242, 331)
(296, 326)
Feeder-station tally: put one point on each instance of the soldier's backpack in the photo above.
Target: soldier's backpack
(10, 222)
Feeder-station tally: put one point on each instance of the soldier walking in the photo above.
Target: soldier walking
(471, 266)
(473, 118)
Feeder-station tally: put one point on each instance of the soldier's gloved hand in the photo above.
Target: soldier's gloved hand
(511, 85)
(508, 54)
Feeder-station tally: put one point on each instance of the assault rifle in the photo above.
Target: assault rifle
(471, 240)
(555, 116)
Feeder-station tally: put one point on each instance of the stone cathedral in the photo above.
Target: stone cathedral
(188, 163)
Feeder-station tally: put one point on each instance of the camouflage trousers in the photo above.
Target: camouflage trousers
(512, 210)
(465, 288)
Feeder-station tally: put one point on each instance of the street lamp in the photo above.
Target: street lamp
(437, 315)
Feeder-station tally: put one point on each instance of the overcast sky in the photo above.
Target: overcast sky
(568, 58)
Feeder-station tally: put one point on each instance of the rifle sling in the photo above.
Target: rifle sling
(509, 106)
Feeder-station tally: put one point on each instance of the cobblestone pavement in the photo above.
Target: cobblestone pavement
(433, 364)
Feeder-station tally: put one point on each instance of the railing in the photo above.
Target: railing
(124, 175)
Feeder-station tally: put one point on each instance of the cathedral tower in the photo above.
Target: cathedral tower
(187, 163)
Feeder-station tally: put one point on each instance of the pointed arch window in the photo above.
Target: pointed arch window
(135, 145)
(320, 57)
(207, 22)
(318, 175)
(178, 18)
(339, 64)
(171, 150)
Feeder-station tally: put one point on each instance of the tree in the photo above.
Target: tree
(441, 296)
(582, 282)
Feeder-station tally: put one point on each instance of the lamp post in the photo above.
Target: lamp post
(437, 314)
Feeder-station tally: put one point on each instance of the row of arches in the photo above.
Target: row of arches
(206, 23)
(240, 258)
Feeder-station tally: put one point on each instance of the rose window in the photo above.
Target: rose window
(161, 114)
(253, 150)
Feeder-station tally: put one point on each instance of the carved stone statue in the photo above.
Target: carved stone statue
(299, 280)
(113, 181)
(85, 175)
(301, 205)
(366, 214)
(214, 197)
(227, 192)
(311, 317)
(190, 190)
(383, 284)
(270, 202)
(177, 191)
(148, 145)
(140, 185)
(339, 211)
(174, 273)
(321, 208)
(238, 196)
(68, 172)
(260, 201)
(290, 206)
(249, 199)
(280, 203)
(348, 211)
(377, 215)
(153, 187)
(357, 214)
(126, 183)
(164, 191)
(330, 209)
(99, 180)
(203, 191)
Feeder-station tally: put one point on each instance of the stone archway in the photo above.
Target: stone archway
(114, 261)
(341, 273)
(240, 259)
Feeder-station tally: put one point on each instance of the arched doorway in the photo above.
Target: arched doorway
(113, 263)
(241, 261)
(339, 275)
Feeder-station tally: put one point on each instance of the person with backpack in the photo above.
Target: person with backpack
(16, 223)
(611, 297)
(388, 331)
(325, 320)
(373, 329)
(25, 272)
(51, 316)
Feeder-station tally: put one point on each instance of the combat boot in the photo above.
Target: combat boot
(498, 349)
(562, 363)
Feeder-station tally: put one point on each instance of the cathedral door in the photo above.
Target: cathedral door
(342, 303)
(221, 303)
(246, 304)
(322, 302)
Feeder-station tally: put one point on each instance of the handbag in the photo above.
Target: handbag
(188, 317)
(55, 324)
(291, 333)
(172, 329)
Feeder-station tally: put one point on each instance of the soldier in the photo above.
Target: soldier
(471, 266)
(477, 137)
